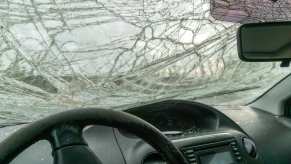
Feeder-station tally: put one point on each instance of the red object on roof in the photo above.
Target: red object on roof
(246, 11)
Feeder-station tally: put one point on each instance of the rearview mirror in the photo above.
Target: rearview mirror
(265, 42)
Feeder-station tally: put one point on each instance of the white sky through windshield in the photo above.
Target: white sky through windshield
(62, 54)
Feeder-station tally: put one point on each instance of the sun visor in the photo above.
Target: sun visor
(251, 11)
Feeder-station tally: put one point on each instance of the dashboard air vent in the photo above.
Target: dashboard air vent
(190, 155)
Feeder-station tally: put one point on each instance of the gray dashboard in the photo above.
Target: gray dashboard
(205, 125)
(271, 133)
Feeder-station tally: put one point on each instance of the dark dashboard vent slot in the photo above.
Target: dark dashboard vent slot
(190, 155)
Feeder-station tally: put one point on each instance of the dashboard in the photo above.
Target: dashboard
(202, 133)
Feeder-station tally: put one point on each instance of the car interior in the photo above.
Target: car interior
(170, 130)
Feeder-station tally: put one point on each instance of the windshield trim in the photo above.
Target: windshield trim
(268, 90)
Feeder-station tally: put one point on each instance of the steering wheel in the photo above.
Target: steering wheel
(64, 132)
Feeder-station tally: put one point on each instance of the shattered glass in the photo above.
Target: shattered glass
(61, 54)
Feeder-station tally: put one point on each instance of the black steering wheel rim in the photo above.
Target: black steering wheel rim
(23, 138)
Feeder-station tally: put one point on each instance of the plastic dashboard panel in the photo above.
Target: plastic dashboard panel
(136, 151)
(107, 142)
(272, 134)
(217, 127)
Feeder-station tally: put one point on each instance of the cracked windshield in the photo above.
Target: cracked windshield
(63, 54)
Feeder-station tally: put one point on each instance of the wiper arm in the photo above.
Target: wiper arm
(12, 124)
(225, 92)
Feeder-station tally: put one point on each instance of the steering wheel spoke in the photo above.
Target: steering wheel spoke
(69, 146)
(66, 135)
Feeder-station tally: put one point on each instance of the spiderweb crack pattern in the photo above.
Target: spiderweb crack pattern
(61, 54)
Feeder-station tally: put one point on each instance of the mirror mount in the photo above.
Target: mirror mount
(285, 63)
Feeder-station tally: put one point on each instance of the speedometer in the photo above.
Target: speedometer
(164, 122)
(173, 122)
(174, 116)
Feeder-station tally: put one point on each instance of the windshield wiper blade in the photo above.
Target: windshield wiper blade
(225, 92)
(13, 124)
